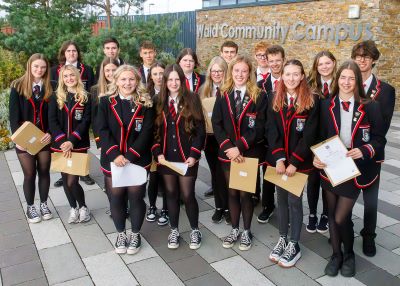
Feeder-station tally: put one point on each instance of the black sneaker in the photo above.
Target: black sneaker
(45, 211)
(333, 266)
(173, 239)
(265, 215)
(291, 255)
(164, 218)
(217, 216)
(134, 243)
(312, 223)
(323, 225)
(58, 183)
(209, 193)
(87, 180)
(349, 265)
(195, 239)
(151, 214)
(369, 248)
(32, 214)
(227, 216)
(230, 240)
(121, 243)
(245, 240)
(278, 250)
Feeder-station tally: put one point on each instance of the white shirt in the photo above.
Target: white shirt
(75, 64)
(288, 96)
(125, 98)
(273, 80)
(346, 119)
(242, 92)
(156, 91)
(176, 101)
(329, 82)
(259, 73)
(146, 72)
(214, 89)
(190, 81)
(368, 82)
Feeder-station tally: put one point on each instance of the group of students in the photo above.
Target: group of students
(272, 112)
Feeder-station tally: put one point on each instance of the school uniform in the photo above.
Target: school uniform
(85, 71)
(144, 72)
(71, 123)
(125, 129)
(194, 82)
(261, 76)
(94, 93)
(175, 143)
(365, 130)
(120, 61)
(269, 84)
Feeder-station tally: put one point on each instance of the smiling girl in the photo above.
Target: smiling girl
(187, 60)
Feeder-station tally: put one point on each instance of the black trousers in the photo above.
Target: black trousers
(370, 196)
(313, 187)
(268, 190)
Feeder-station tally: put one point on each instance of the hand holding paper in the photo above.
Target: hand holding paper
(180, 168)
(128, 175)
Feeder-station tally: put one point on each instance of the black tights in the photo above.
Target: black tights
(181, 187)
(340, 223)
(73, 190)
(40, 164)
(155, 184)
(239, 202)
(118, 198)
(313, 186)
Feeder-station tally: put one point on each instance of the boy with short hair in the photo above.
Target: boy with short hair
(229, 50)
(148, 54)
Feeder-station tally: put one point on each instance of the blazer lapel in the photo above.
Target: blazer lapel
(335, 113)
(116, 109)
(358, 114)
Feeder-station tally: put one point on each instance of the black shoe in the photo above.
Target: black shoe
(312, 223)
(265, 215)
(323, 225)
(87, 180)
(290, 256)
(217, 216)
(369, 248)
(58, 183)
(209, 193)
(333, 266)
(349, 265)
(227, 216)
(151, 214)
(163, 219)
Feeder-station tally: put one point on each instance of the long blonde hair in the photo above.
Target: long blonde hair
(251, 85)
(61, 92)
(139, 96)
(23, 85)
(207, 87)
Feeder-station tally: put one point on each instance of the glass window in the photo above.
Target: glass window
(228, 2)
(210, 3)
(246, 1)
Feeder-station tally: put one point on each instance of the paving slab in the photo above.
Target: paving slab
(213, 278)
(18, 255)
(108, 269)
(339, 280)
(63, 212)
(62, 263)
(378, 277)
(257, 255)
(12, 215)
(36, 282)
(219, 229)
(96, 199)
(13, 227)
(172, 255)
(311, 263)
(83, 281)
(23, 272)
(49, 233)
(190, 267)
(292, 276)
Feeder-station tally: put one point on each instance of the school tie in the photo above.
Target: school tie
(238, 104)
(264, 75)
(289, 110)
(326, 90)
(217, 92)
(36, 91)
(187, 84)
(346, 105)
(172, 110)
(276, 84)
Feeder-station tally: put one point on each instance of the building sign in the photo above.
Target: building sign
(298, 31)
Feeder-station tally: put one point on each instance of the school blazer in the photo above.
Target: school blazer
(133, 143)
(94, 93)
(368, 135)
(142, 75)
(291, 138)
(86, 72)
(197, 81)
(22, 110)
(266, 84)
(190, 145)
(71, 123)
(248, 134)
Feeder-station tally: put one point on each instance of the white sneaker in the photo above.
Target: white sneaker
(73, 215)
(84, 214)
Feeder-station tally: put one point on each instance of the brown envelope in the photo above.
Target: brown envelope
(208, 106)
(78, 164)
(172, 167)
(294, 185)
(243, 176)
(28, 136)
(153, 166)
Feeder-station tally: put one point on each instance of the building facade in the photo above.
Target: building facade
(304, 28)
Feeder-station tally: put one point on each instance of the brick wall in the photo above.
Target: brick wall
(380, 17)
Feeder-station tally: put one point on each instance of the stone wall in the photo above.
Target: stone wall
(379, 20)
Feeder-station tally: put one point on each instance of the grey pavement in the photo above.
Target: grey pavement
(56, 253)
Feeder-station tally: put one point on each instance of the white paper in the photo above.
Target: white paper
(243, 174)
(181, 166)
(340, 168)
(129, 175)
(33, 139)
(284, 177)
(69, 163)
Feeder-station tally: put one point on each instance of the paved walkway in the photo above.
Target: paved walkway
(56, 253)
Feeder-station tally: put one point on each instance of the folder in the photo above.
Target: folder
(294, 185)
(243, 176)
(208, 106)
(28, 136)
(78, 164)
(180, 168)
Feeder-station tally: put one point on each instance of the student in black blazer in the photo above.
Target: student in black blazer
(321, 78)
(238, 122)
(292, 129)
(29, 99)
(156, 183)
(125, 121)
(69, 121)
(359, 123)
(111, 50)
(70, 54)
(215, 77)
(187, 59)
(148, 55)
(366, 54)
(179, 137)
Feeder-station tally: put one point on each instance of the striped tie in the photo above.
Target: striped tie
(289, 110)
(238, 104)
(326, 90)
(346, 105)
(172, 110)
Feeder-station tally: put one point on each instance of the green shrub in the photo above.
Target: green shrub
(5, 140)
(10, 67)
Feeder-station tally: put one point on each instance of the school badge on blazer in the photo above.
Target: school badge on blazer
(252, 119)
(78, 114)
(138, 124)
(300, 124)
(365, 135)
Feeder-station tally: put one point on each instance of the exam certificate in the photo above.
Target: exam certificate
(340, 168)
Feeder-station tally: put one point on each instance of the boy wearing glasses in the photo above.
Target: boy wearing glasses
(365, 54)
(260, 55)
